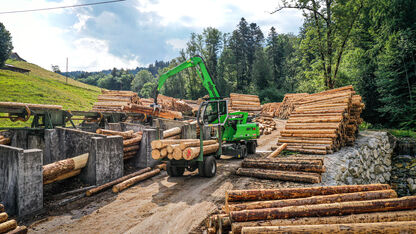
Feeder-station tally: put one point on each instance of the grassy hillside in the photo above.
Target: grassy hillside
(44, 87)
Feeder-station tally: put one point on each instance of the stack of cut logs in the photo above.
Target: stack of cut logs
(372, 208)
(187, 149)
(114, 100)
(266, 125)
(288, 104)
(270, 109)
(64, 169)
(295, 169)
(4, 140)
(146, 101)
(131, 141)
(9, 226)
(173, 104)
(245, 102)
(147, 110)
(323, 122)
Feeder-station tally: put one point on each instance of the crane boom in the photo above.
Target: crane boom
(202, 72)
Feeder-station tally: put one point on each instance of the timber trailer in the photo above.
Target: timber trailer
(236, 134)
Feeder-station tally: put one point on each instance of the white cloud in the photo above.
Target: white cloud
(177, 43)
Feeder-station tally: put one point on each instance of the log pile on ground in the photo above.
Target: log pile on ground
(187, 149)
(270, 109)
(288, 104)
(131, 141)
(266, 125)
(64, 169)
(322, 123)
(9, 226)
(342, 209)
(4, 140)
(295, 169)
(114, 100)
(245, 102)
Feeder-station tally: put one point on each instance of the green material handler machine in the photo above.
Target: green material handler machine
(236, 134)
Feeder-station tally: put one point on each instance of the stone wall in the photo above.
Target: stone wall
(368, 161)
(404, 167)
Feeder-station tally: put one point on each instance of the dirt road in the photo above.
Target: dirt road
(158, 205)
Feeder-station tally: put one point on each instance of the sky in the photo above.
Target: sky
(127, 34)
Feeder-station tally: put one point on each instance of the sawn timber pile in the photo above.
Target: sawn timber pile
(131, 141)
(322, 123)
(114, 100)
(187, 149)
(341, 209)
(9, 226)
(270, 109)
(245, 102)
(295, 169)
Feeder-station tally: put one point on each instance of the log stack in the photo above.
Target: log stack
(245, 102)
(4, 140)
(187, 149)
(9, 225)
(147, 110)
(270, 109)
(114, 100)
(288, 104)
(266, 125)
(173, 104)
(131, 141)
(322, 123)
(342, 209)
(295, 169)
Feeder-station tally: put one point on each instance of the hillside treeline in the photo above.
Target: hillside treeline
(370, 44)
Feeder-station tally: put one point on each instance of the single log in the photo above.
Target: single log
(56, 169)
(173, 137)
(177, 153)
(289, 193)
(319, 210)
(156, 154)
(387, 227)
(3, 217)
(30, 105)
(288, 160)
(393, 216)
(63, 176)
(131, 148)
(5, 141)
(172, 132)
(161, 166)
(309, 151)
(8, 226)
(163, 152)
(304, 177)
(284, 166)
(130, 154)
(343, 197)
(277, 151)
(127, 183)
(193, 152)
(117, 181)
(184, 145)
(126, 134)
(132, 141)
(170, 156)
(19, 230)
(170, 148)
(158, 144)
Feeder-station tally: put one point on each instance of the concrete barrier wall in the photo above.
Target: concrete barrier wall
(21, 181)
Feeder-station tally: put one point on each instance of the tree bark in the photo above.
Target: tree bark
(63, 176)
(131, 148)
(173, 137)
(277, 151)
(132, 141)
(280, 175)
(8, 226)
(289, 160)
(172, 132)
(125, 135)
(387, 227)
(54, 170)
(284, 166)
(289, 193)
(117, 181)
(127, 183)
(343, 197)
(354, 218)
(319, 210)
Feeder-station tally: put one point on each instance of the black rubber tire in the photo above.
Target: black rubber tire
(244, 151)
(251, 147)
(210, 166)
(201, 168)
(174, 171)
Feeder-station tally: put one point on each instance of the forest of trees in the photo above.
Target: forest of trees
(370, 44)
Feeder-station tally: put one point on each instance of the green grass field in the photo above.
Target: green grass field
(44, 87)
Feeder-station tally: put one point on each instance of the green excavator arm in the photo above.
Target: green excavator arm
(201, 70)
